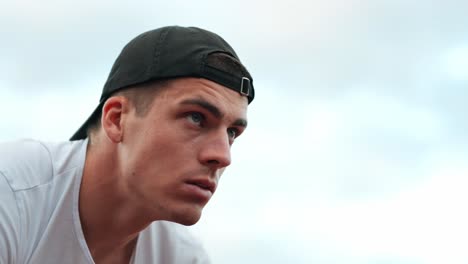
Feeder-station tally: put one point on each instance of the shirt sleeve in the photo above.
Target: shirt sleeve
(9, 223)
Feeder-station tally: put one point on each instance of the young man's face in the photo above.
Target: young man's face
(173, 157)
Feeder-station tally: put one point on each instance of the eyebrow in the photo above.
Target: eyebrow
(213, 110)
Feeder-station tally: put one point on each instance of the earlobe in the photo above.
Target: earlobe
(112, 117)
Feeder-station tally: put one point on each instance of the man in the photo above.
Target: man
(148, 159)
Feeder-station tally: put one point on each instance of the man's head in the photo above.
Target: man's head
(170, 135)
(173, 52)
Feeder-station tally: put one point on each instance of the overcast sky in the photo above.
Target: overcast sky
(357, 145)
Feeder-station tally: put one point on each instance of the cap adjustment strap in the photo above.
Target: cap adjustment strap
(245, 86)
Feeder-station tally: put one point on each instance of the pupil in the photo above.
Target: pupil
(196, 117)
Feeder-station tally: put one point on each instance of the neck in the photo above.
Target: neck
(110, 222)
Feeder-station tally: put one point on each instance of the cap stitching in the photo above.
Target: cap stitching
(157, 50)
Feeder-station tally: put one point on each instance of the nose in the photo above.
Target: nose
(216, 152)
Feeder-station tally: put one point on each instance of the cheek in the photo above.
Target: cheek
(164, 149)
(165, 155)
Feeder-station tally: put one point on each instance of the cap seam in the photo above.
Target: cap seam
(157, 52)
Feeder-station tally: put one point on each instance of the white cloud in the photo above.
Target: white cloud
(426, 223)
(46, 116)
(455, 63)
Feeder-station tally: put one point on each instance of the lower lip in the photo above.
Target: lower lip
(198, 193)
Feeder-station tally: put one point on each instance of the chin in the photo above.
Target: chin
(187, 218)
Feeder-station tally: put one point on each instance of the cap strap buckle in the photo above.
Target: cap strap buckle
(245, 86)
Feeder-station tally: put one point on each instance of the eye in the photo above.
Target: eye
(196, 118)
(233, 133)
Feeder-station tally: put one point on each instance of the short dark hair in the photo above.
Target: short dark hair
(141, 96)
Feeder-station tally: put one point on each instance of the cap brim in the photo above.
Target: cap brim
(81, 132)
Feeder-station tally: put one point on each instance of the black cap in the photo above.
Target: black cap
(170, 52)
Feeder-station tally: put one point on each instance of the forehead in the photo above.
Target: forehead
(198, 88)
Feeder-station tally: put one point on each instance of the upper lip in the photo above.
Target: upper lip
(204, 183)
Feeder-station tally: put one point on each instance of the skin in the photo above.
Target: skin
(143, 169)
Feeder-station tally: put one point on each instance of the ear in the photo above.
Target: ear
(113, 116)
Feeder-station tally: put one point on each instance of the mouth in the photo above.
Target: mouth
(204, 184)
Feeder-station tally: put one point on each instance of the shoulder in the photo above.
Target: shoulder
(34, 186)
(21, 161)
(29, 163)
(18, 162)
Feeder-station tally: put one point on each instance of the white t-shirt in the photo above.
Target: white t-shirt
(39, 219)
